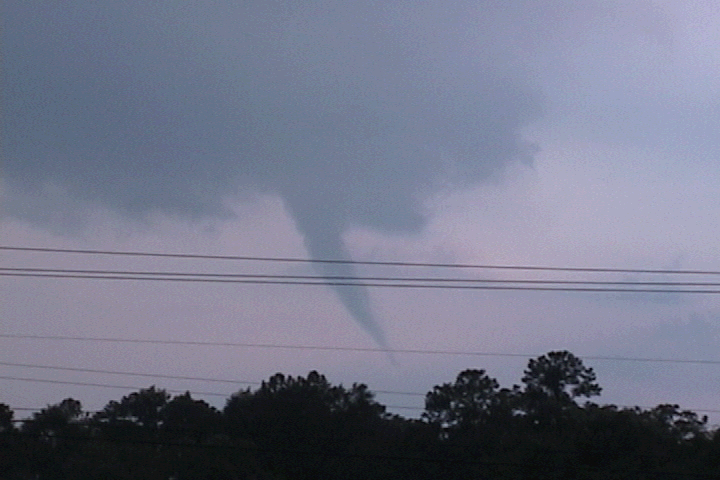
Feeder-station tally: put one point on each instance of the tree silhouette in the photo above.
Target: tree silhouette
(6, 418)
(141, 408)
(305, 428)
(463, 404)
(185, 417)
(301, 420)
(559, 377)
(52, 420)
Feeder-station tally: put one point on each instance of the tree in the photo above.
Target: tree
(463, 404)
(186, 417)
(559, 377)
(299, 423)
(54, 435)
(55, 418)
(142, 408)
(287, 403)
(10, 456)
(679, 425)
(6, 419)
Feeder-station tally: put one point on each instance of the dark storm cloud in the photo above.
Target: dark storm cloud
(352, 113)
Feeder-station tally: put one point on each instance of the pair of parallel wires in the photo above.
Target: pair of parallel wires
(425, 282)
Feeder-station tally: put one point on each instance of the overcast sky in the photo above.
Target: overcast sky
(554, 133)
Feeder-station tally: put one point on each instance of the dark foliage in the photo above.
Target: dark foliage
(306, 428)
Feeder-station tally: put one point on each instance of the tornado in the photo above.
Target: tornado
(323, 240)
(353, 113)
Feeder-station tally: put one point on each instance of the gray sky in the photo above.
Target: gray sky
(531, 133)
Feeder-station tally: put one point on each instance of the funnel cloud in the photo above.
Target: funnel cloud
(352, 112)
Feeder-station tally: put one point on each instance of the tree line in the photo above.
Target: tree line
(303, 428)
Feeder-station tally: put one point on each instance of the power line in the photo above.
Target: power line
(91, 412)
(361, 284)
(177, 377)
(129, 374)
(216, 394)
(325, 278)
(104, 385)
(350, 349)
(394, 407)
(126, 387)
(160, 375)
(354, 262)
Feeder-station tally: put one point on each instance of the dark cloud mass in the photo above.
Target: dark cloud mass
(352, 112)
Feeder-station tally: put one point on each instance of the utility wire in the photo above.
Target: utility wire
(351, 349)
(361, 284)
(325, 278)
(353, 262)
(129, 374)
(226, 395)
(126, 387)
(159, 375)
(105, 385)
(175, 377)
(93, 412)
